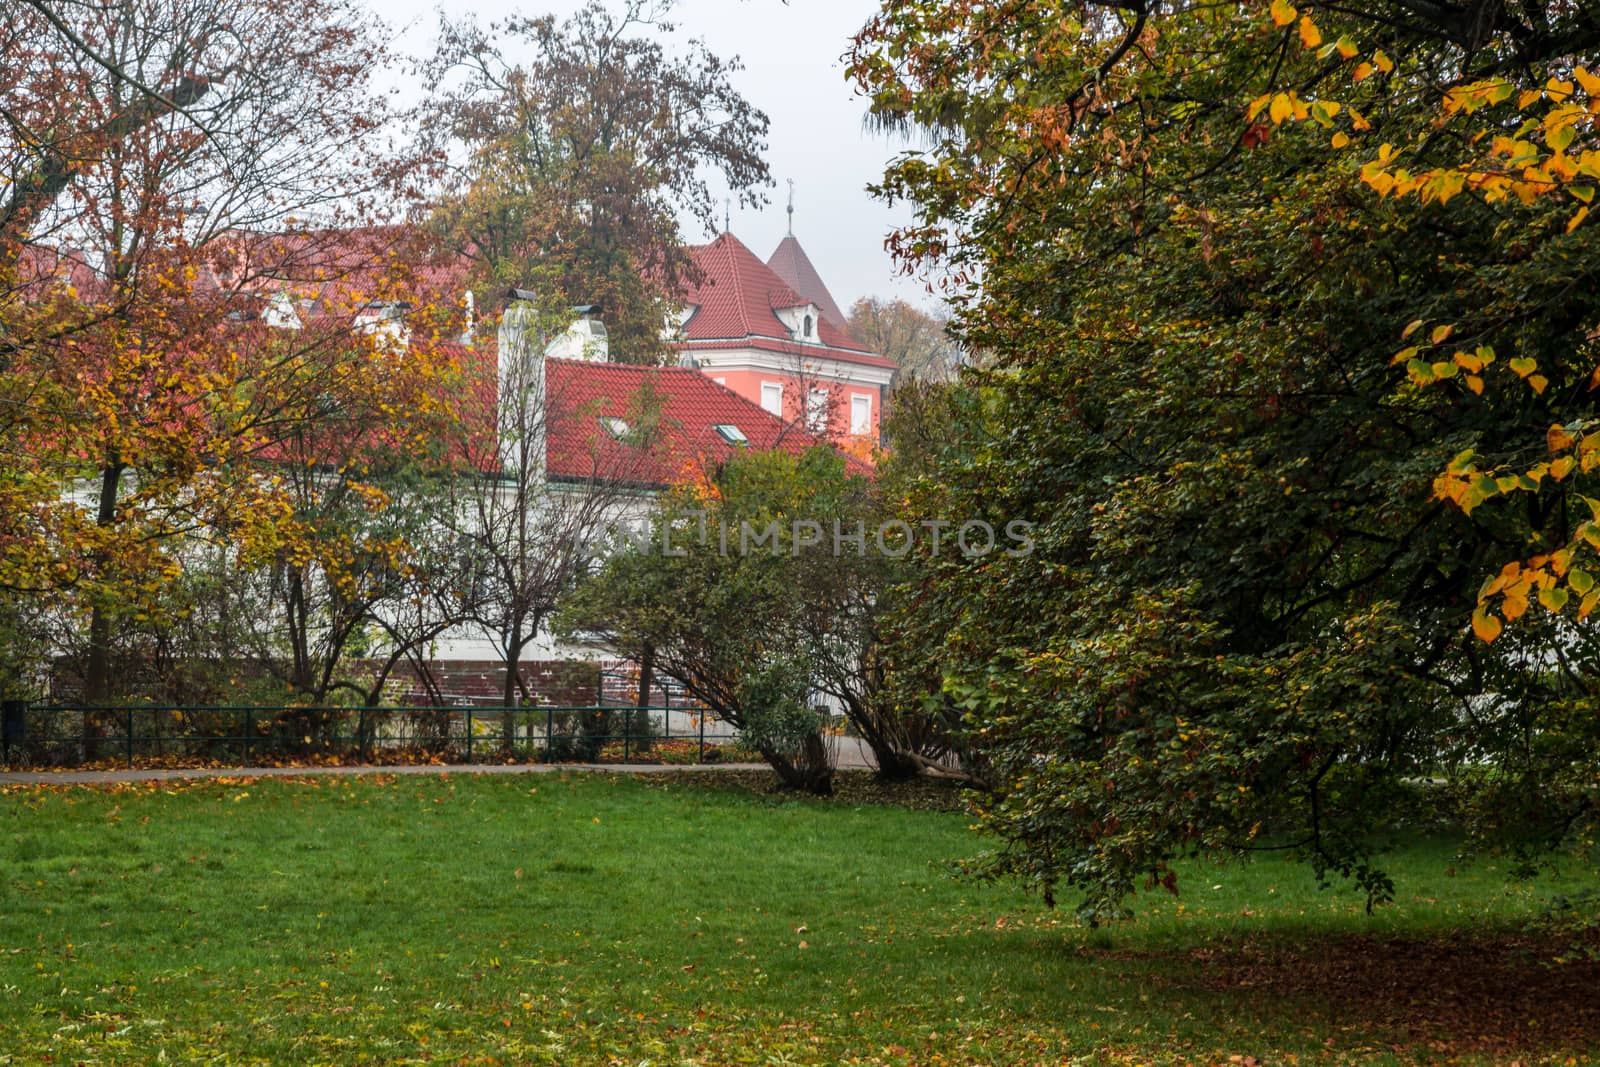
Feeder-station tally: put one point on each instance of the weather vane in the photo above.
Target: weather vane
(791, 206)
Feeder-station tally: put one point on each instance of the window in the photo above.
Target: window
(731, 433)
(817, 411)
(807, 334)
(860, 415)
(772, 397)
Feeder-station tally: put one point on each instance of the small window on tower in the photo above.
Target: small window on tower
(808, 326)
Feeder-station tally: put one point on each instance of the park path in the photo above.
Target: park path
(852, 755)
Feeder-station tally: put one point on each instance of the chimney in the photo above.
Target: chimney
(521, 409)
(585, 339)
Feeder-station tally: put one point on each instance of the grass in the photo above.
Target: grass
(587, 920)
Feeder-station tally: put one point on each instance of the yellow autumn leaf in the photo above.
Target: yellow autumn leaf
(1310, 36)
(1539, 383)
(1486, 626)
(1283, 12)
(1382, 61)
(1340, 140)
(1282, 107)
(1441, 333)
(1559, 439)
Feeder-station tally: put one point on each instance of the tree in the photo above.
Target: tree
(1247, 622)
(575, 163)
(725, 621)
(766, 589)
(915, 339)
(527, 533)
(159, 155)
(357, 566)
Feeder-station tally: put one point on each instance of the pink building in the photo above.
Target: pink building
(772, 333)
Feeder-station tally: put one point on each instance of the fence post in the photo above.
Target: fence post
(130, 736)
(469, 735)
(627, 733)
(549, 728)
(702, 718)
(361, 736)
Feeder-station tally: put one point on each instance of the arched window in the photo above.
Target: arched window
(808, 326)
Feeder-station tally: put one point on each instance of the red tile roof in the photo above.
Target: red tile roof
(790, 263)
(39, 268)
(683, 403)
(738, 301)
(686, 407)
(337, 272)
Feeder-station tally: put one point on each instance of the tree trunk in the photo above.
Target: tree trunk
(641, 718)
(513, 648)
(893, 764)
(812, 774)
(97, 670)
(515, 642)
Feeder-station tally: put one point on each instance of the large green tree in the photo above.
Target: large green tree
(1247, 622)
(765, 589)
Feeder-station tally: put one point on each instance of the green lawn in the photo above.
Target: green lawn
(579, 920)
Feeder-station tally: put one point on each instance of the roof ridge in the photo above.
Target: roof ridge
(738, 290)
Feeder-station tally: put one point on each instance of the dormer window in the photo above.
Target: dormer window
(280, 312)
(617, 428)
(731, 433)
(801, 320)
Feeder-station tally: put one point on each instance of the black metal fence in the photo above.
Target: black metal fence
(74, 735)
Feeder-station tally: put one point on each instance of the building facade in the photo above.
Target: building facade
(771, 332)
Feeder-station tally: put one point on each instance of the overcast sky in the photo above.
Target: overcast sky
(794, 71)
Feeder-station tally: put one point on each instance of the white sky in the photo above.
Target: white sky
(795, 72)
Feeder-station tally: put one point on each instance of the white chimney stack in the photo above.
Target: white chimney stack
(520, 418)
(585, 339)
